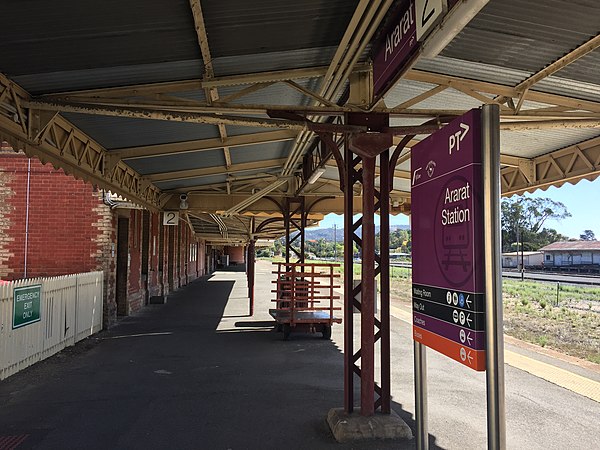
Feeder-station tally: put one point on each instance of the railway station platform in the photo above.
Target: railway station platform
(199, 373)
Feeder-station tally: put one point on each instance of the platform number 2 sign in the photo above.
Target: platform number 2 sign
(171, 218)
(428, 13)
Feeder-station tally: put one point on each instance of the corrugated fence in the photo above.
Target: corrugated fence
(40, 317)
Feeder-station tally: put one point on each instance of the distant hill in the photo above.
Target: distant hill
(328, 233)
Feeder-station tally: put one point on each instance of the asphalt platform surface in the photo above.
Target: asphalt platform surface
(199, 373)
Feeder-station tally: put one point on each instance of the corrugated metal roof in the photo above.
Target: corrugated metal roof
(449, 99)
(178, 161)
(74, 35)
(402, 184)
(239, 27)
(100, 77)
(198, 182)
(532, 143)
(191, 182)
(265, 62)
(204, 224)
(74, 45)
(278, 93)
(572, 246)
(557, 84)
(119, 132)
(586, 68)
(526, 35)
(405, 90)
(472, 70)
(521, 253)
(238, 130)
(251, 153)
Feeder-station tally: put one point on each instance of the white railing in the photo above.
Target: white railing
(70, 310)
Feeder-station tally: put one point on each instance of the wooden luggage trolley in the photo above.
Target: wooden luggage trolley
(304, 300)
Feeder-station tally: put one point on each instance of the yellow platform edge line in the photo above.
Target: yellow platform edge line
(561, 377)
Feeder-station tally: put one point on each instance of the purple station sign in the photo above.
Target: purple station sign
(447, 236)
(396, 47)
(410, 23)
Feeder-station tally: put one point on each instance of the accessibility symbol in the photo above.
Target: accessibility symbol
(461, 300)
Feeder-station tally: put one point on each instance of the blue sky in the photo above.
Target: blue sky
(582, 201)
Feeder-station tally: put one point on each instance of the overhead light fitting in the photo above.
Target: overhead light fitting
(316, 174)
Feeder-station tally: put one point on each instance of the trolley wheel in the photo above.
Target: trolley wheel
(287, 329)
(326, 331)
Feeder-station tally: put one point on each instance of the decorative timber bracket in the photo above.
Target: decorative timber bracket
(45, 134)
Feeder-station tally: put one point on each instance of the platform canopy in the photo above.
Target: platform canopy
(222, 100)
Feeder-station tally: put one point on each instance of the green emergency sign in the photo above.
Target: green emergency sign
(26, 305)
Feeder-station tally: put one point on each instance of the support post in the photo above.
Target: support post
(385, 183)
(367, 299)
(251, 262)
(493, 282)
(349, 296)
(295, 220)
(376, 418)
(420, 358)
(362, 151)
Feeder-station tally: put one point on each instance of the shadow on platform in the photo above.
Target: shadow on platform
(187, 374)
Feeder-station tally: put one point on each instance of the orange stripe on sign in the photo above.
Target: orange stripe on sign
(475, 359)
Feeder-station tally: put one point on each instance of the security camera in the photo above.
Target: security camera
(183, 204)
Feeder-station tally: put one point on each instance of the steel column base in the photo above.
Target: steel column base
(355, 427)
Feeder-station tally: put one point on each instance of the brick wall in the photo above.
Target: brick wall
(236, 254)
(106, 240)
(65, 227)
(52, 224)
(154, 283)
(135, 291)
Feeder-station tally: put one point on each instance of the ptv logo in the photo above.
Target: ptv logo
(455, 139)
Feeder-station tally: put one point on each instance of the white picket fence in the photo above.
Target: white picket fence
(70, 310)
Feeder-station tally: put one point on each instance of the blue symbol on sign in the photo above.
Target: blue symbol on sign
(461, 300)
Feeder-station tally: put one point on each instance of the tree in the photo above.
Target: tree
(587, 235)
(279, 246)
(522, 220)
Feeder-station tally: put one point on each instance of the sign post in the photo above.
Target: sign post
(493, 277)
(26, 305)
(456, 290)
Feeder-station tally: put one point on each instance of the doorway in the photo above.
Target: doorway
(122, 265)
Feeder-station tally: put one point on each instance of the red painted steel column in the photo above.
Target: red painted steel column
(348, 282)
(385, 188)
(251, 271)
(287, 225)
(367, 329)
